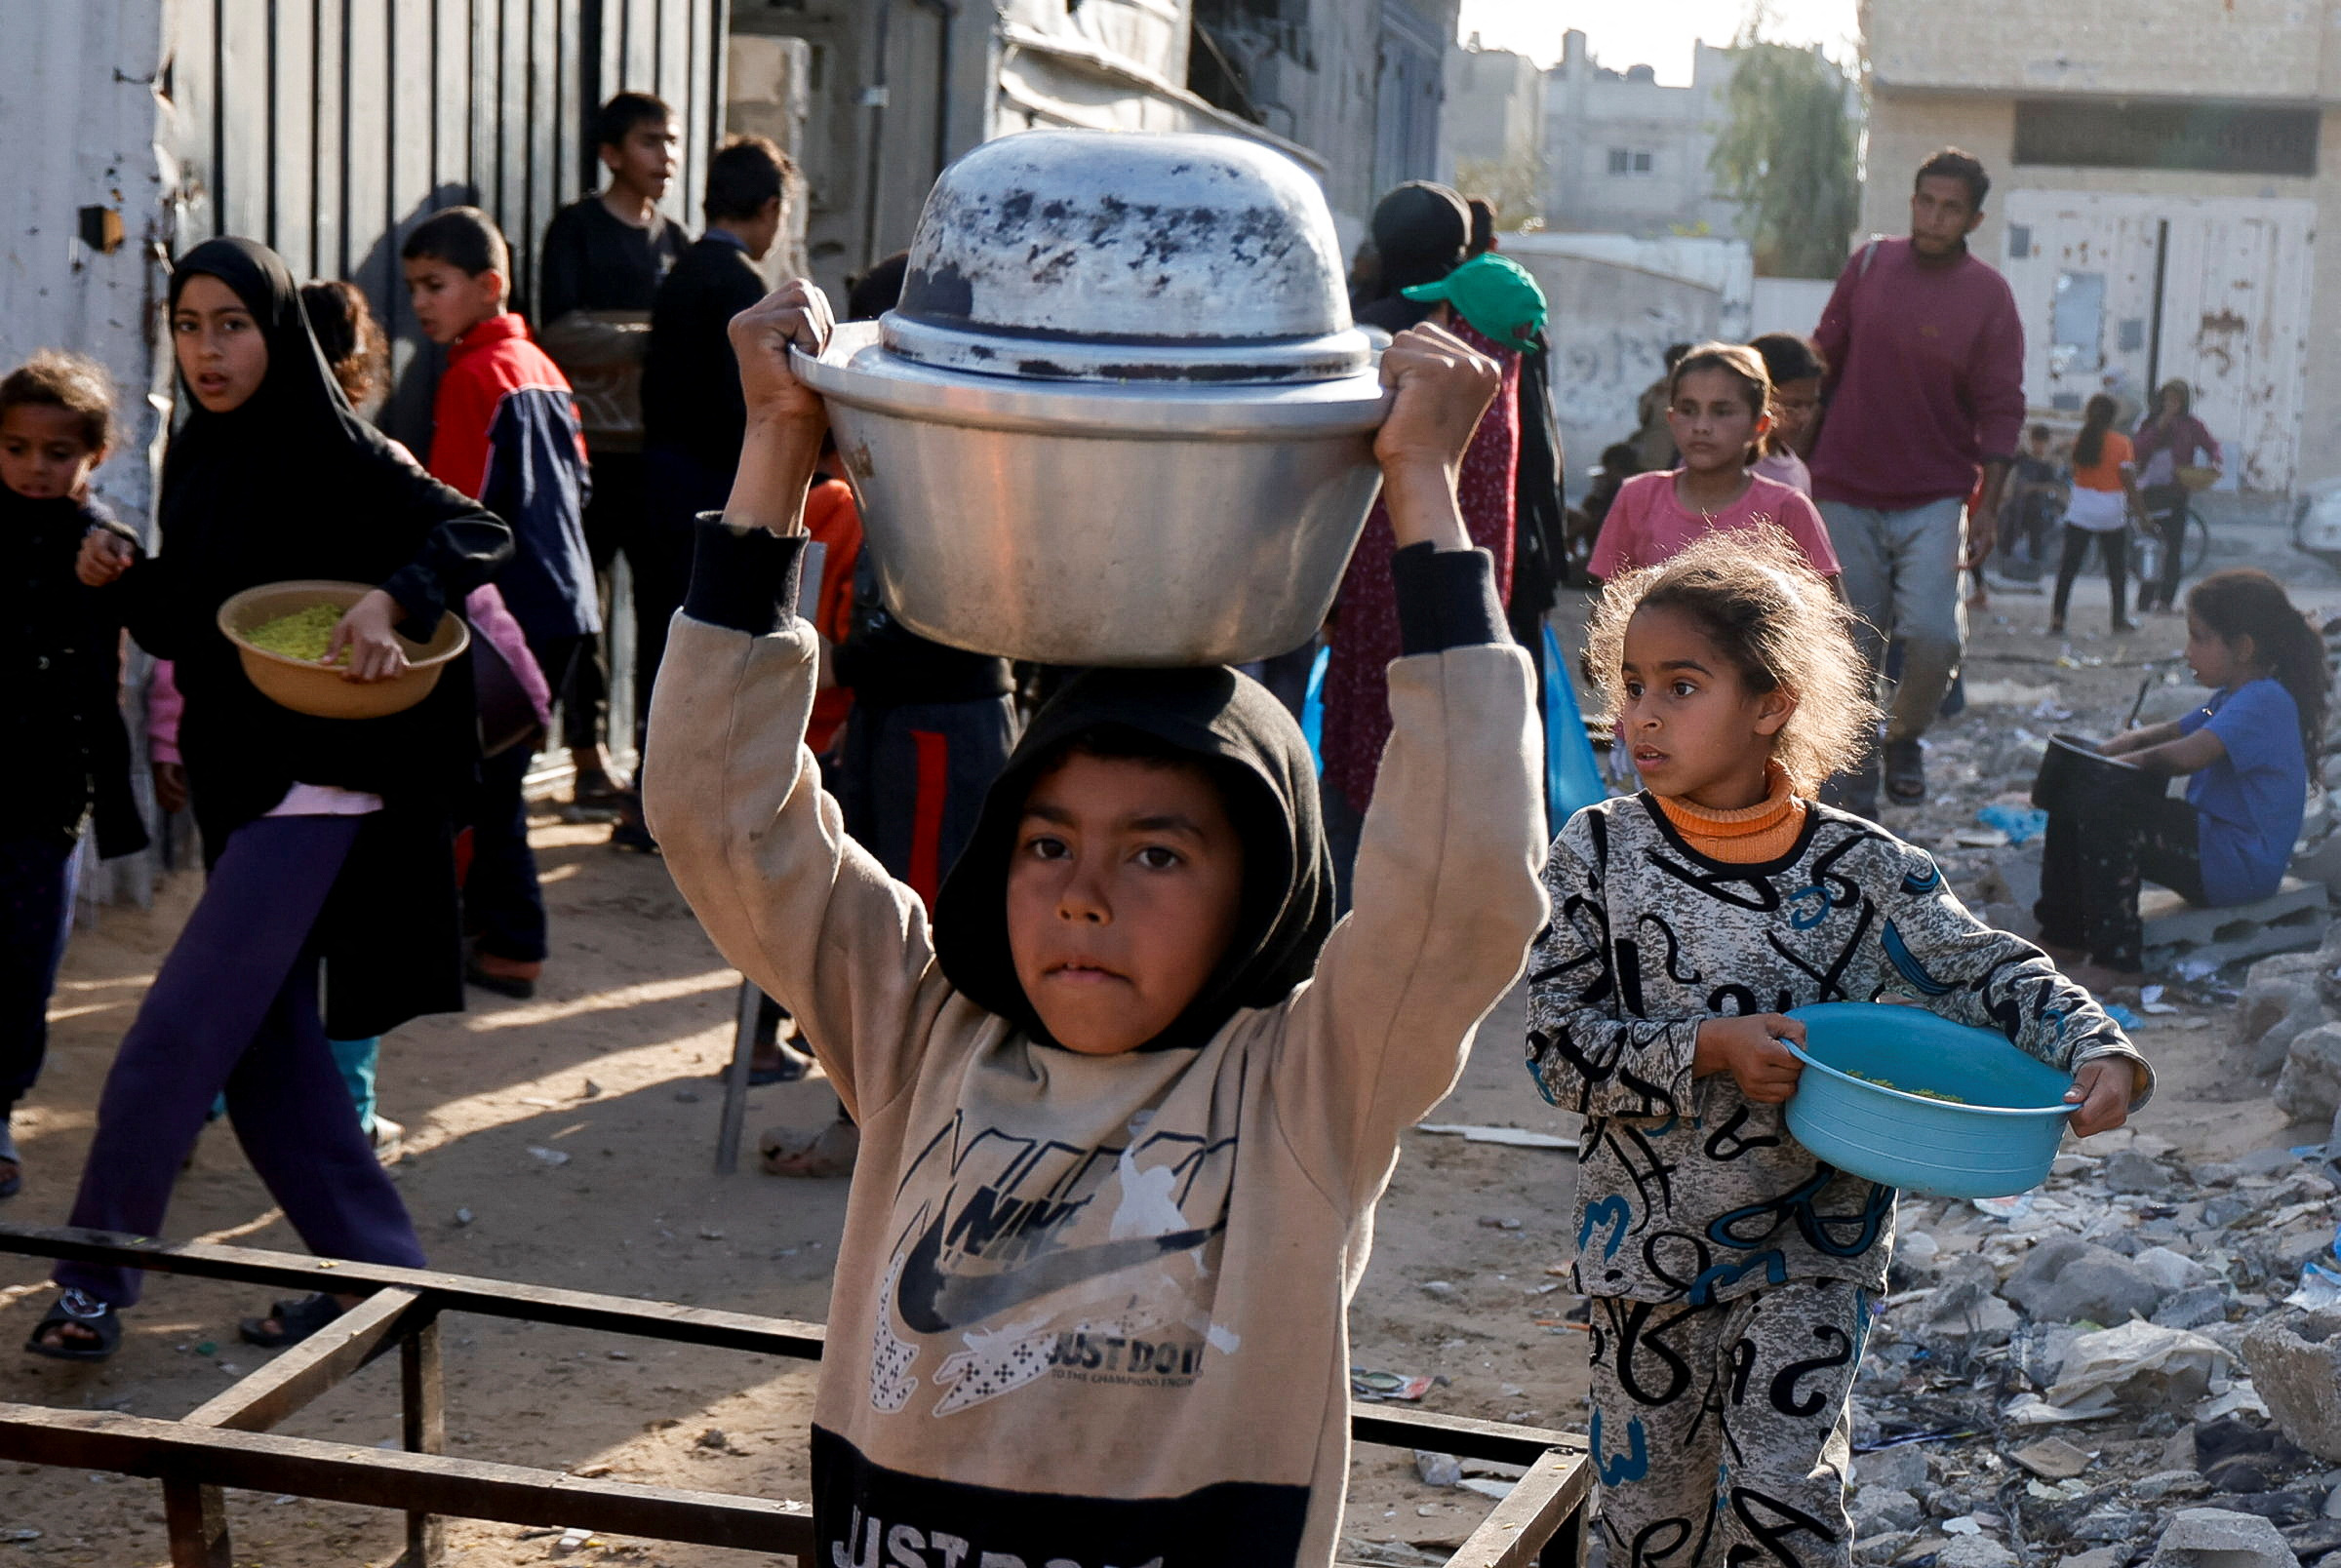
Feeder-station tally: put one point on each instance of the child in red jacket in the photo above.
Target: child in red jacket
(504, 430)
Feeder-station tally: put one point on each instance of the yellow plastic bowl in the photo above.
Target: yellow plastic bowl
(2198, 477)
(320, 690)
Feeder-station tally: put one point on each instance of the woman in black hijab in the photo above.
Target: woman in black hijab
(329, 842)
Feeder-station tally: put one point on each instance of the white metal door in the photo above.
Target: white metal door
(2235, 326)
(2084, 277)
(2120, 291)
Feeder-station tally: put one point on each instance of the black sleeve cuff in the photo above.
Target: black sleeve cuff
(743, 579)
(1446, 599)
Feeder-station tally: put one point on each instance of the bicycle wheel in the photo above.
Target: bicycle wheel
(2196, 548)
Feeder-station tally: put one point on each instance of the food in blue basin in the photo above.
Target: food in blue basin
(1901, 1096)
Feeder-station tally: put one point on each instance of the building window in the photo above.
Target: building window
(1629, 160)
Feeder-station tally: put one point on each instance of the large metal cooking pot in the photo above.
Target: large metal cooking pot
(1120, 416)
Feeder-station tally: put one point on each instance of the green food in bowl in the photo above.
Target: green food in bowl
(1886, 1083)
(304, 635)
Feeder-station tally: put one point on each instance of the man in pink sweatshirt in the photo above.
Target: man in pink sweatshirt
(1926, 387)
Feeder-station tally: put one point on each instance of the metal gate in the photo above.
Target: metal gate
(2127, 292)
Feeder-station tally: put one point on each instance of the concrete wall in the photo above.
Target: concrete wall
(1491, 128)
(1591, 110)
(2265, 49)
(1609, 326)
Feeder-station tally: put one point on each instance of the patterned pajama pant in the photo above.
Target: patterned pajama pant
(1722, 1435)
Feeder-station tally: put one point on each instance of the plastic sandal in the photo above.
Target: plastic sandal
(84, 1311)
(295, 1322)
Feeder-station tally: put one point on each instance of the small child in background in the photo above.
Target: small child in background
(2252, 750)
(351, 340)
(1731, 1272)
(63, 659)
(504, 430)
(1719, 411)
(2105, 497)
(1796, 370)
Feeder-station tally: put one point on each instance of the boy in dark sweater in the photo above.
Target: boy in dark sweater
(1128, 1106)
(603, 259)
(692, 417)
(63, 654)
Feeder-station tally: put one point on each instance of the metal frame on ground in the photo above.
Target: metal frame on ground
(228, 1440)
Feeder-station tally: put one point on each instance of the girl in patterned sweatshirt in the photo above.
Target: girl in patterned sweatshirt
(1731, 1272)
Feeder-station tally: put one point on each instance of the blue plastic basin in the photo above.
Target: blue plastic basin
(1999, 1142)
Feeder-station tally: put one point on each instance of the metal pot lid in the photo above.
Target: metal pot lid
(856, 369)
(1098, 256)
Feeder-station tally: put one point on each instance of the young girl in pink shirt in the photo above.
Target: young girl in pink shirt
(1719, 409)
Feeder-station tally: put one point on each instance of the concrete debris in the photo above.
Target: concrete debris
(2218, 1538)
(2309, 1089)
(2053, 1459)
(2295, 1362)
(2066, 1279)
(1879, 1508)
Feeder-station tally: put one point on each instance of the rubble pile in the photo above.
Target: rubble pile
(2139, 1362)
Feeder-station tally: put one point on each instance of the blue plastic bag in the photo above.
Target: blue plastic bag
(1312, 706)
(1572, 779)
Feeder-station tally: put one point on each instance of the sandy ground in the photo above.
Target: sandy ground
(611, 1064)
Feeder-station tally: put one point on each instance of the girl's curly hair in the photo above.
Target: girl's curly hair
(1776, 622)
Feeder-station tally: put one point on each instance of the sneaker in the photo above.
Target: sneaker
(389, 1140)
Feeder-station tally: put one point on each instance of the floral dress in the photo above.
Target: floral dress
(1365, 640)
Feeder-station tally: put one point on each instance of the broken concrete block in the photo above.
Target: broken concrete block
(2053, 1459)
(1902, 1468)
(2214, 1538)
(2065, 1279)
(2127, 1170)
(2095, 1558)
(2277, 1007)
(2295, 1362)
(2193, 1307)
(1876, 1509)
(2172, 1270)
(2292, 920)
(2310, 1087)
(1976, 1551)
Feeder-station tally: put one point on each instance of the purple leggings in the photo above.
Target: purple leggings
(235, 1009)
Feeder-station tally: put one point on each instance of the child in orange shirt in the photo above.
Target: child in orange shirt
(2105, 497)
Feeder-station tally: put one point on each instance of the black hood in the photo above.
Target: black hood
(1252, 746)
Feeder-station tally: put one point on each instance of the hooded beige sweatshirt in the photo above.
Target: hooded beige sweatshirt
(1089, 1312)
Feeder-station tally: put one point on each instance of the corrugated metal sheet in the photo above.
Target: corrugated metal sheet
(326, 129)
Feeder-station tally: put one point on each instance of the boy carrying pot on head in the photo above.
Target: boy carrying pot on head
(1127, 1106)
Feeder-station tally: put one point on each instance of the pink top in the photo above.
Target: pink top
(1786, 467)
(1646, 525)
(164, 705)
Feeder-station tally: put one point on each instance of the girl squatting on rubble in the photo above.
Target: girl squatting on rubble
(1730, 1272)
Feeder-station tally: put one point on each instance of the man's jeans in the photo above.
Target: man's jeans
(1902, 577)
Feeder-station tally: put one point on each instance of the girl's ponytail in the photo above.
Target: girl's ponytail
(2244, 602)
(2096, 421)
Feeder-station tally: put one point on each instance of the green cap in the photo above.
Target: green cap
(1494, 293)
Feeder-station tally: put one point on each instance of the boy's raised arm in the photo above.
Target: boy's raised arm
(1445, 891)
(729, 789)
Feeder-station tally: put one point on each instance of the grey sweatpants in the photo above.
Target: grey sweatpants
(1722, 1434)
(1902, 578)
